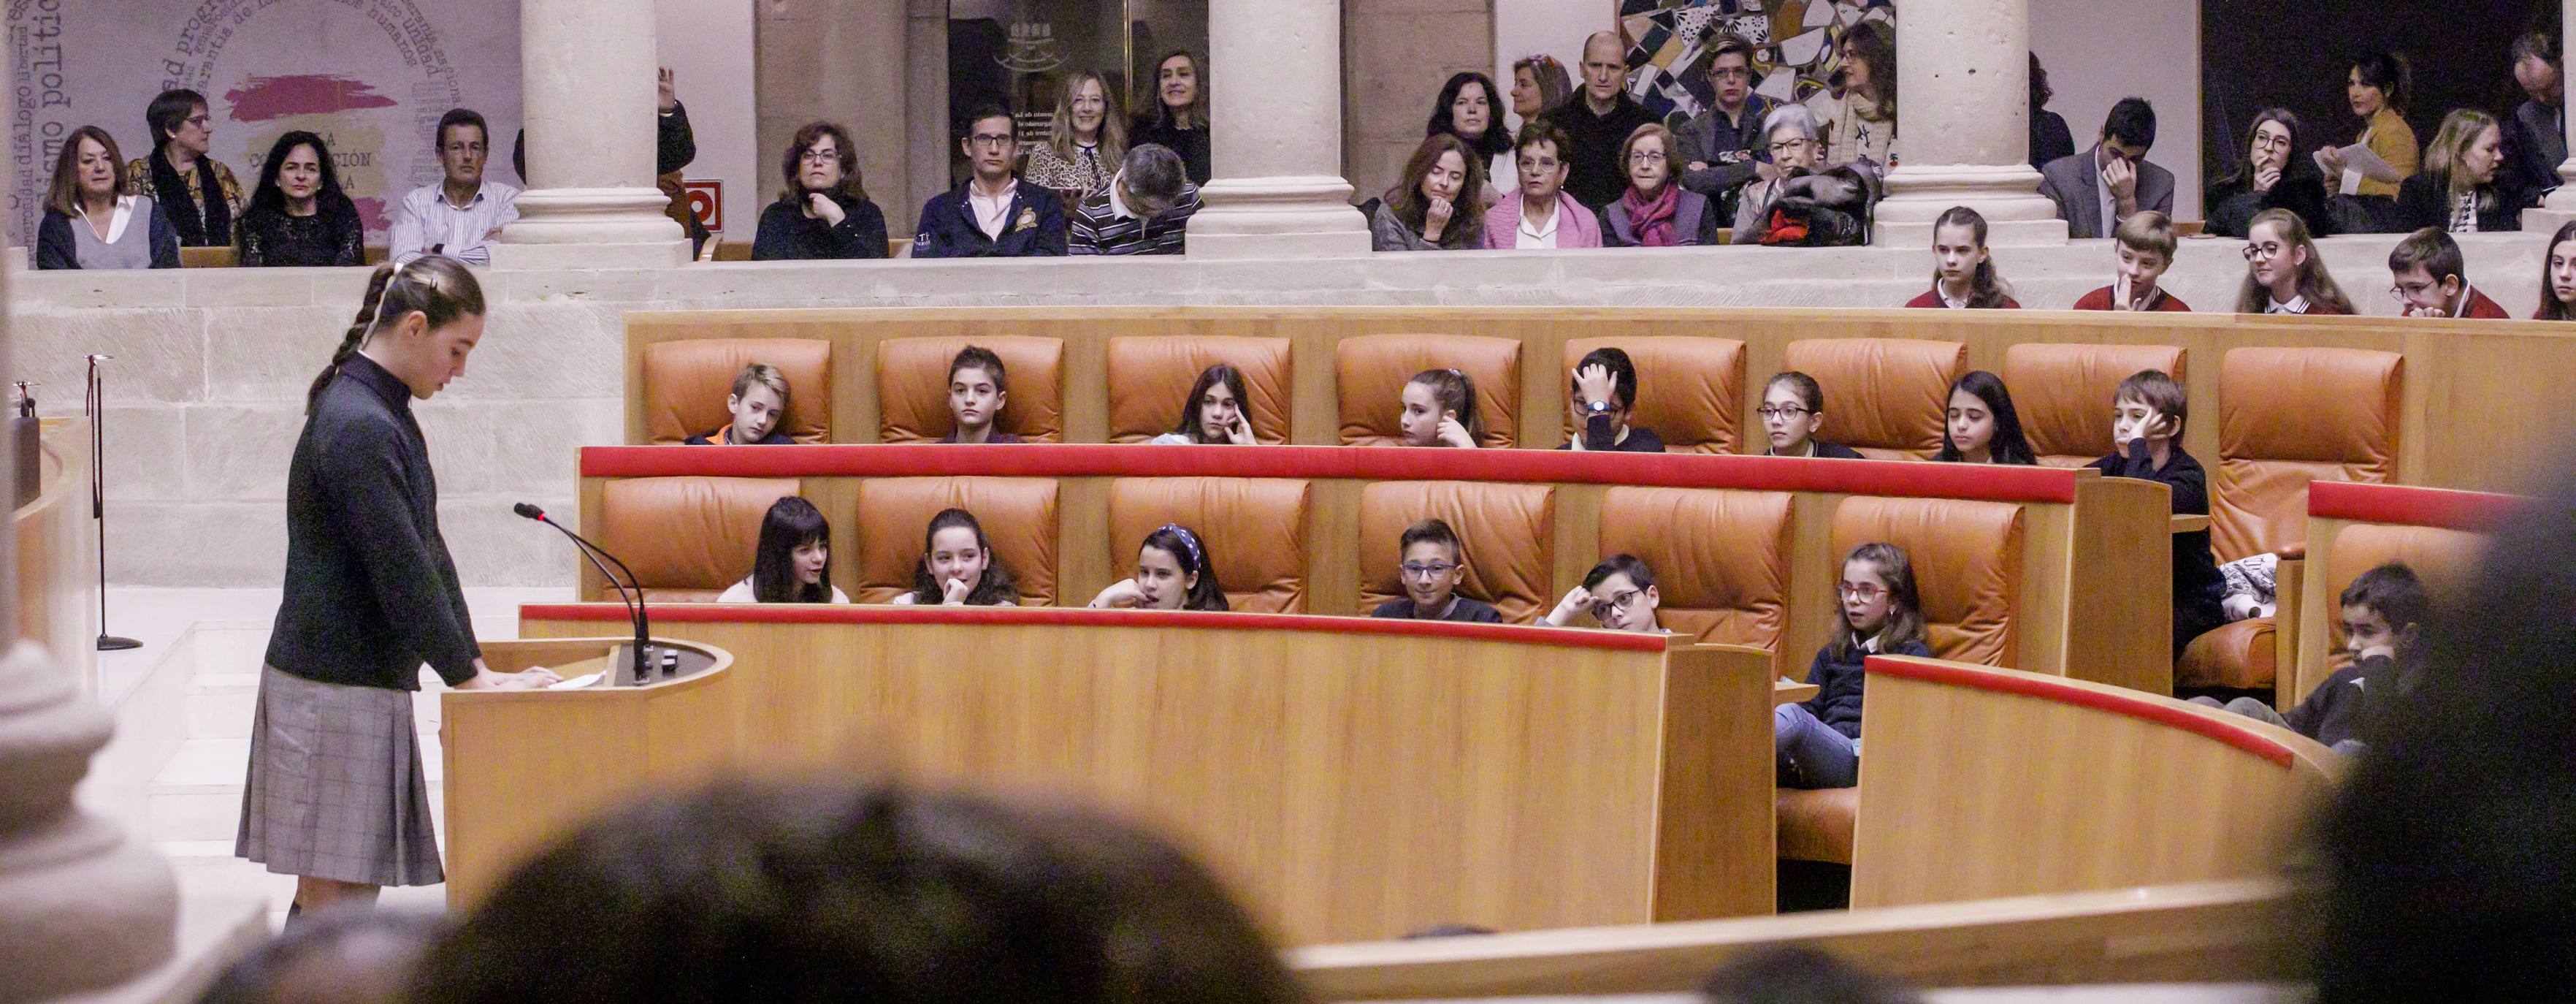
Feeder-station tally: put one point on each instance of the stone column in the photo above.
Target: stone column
(2559, 208)
(1276, 97)
(588, 87)
(1963, 124)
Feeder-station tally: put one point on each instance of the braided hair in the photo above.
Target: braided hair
(437, 287)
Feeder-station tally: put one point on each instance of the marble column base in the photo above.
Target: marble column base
(1294, 217)
(591, 228)
(2007, 196)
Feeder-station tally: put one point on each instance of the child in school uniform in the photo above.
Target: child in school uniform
(1816, 742)
(1433, 565)
(2383, 616)
(1963, 271)
(2146, 248)
(1793, 410)
(2146, 428)
(2431, 279)
(958, 567)
(1601, 399)
(976, 395)
(759, 407)
(793, 561)
(1440, 410)
(1173, 572)
(1619, 594)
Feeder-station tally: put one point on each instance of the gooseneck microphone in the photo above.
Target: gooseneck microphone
(634, 604)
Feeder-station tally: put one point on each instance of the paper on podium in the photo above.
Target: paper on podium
(2359, 163)
(576, 683)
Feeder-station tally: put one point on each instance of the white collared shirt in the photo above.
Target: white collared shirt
(428, 220)
(115, 222)
(1117, 199)
(993, 212)
(1543, 235)
(2297, 305)
(1960, 303)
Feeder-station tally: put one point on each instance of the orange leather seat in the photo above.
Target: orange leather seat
(1369, 373)
(686, 382)
(1254, 530)
(1885, 397)
(912, 387)
(1505, 531)
(2238, 655)
(1689, 390)
(2063, 393)
(1018, 516)
(1816, 825)
(1149, 375)
(2287, 416)
(1967, 563)
(1721, 557)
(686, 538)
(2443, 558)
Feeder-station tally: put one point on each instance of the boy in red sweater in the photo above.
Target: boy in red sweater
(2146, 245)
(2432, 280)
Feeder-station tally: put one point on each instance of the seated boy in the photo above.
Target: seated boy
(2146, 246)
(1603, 397)
(1619, 593)
(759, 407)
(1432, 569)
(976, 395)
(2148, 410)
(2383, 614)
(2432, 280)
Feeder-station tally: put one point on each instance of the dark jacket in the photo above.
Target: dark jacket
(2425, 201)
(370, 591)
(1839, 684)
(1640, 440)
(1595, 178)
(56, 249)
(2075, 183)
(1829, 451)
(1694, 222)
(1730, 149)
(2197, 585)
(1034, 226)
(2349, 703)
(2301, 190)
(1464, 611)
(2049, 138)
(2535, 143)
(787, 234)
(1191, 144)
(333, 237)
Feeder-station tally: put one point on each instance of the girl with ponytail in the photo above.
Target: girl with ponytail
(336, 793)
(1963, 271)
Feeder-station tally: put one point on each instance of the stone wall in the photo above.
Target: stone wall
(1395, 56)
(206, 393)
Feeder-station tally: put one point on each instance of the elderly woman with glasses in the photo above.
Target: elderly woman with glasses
(1656, 211)
(1792, 136)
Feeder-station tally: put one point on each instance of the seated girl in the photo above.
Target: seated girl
(1214, 411)
(2284, 271)
(1963, 270)
(1440, 410)
(1619, 594)
(759, 407)
(1816, 742)
(1172, 573)
(1983, 428)
(1793, 410)
(794, 560)
(958, 567)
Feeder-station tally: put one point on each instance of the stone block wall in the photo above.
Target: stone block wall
(205, 397)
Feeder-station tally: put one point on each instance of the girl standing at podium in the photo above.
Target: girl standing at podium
(336, 793)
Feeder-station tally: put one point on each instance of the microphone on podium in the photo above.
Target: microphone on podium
(634, 604)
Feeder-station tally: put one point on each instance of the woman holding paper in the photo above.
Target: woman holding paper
(2376, 87)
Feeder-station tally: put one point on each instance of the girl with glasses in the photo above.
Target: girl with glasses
(1792, 412)
(1816, 742)
(2270, 176)
(2284, 273)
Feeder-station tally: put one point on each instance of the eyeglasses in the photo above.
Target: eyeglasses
(201, 121)
(2260, 252)
(1731, 73)
(1618, 605)
(822, 156)
(990, 139)
(1647, 157)
(1863, 591)
(1790, 146)
(2406, 291)
(1788, 413)
(1416, 570)
(1540, 165)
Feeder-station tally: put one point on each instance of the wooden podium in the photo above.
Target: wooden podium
(523, 766)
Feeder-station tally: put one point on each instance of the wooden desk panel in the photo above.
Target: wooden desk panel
(1355, 781)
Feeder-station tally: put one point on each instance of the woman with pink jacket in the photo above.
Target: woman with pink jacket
(1538, 214)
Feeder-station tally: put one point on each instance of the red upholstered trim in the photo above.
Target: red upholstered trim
(2410, 506)
(1989, 482)
(813, 613)
(2143, 707)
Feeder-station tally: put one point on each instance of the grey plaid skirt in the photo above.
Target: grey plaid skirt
(336, 787)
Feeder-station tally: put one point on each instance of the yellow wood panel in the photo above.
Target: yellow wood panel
(1971, 793)
(2231, 931)
(57, 538)
(2316, 606)
(2119, 627)
(1354, 785)
(2289, 623)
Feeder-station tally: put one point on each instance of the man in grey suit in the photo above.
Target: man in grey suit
(2096, 189)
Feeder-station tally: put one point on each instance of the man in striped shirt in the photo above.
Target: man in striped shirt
(463, 214)
(1145, 210)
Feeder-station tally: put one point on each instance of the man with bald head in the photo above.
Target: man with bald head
(1597, 122)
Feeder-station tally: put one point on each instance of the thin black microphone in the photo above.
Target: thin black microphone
(634, 605)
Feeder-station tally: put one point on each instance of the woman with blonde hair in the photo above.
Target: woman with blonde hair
(2463, 188)
(1539, 83)
(1086, 144)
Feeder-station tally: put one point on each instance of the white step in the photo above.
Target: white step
(197, 796)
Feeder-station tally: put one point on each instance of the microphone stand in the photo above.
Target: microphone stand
(97, 407)
(634, 605)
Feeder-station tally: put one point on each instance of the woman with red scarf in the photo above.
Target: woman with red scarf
(1654, 212)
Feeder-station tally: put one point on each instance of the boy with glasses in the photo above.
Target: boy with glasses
(2431, 279)
(992, 215)
(1619, 594)
(1721, 148)
(1432, 569)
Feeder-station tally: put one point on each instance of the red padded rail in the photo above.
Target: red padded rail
(1984, 482)
(2406, 505)
(2141, 706)
(836, 613)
